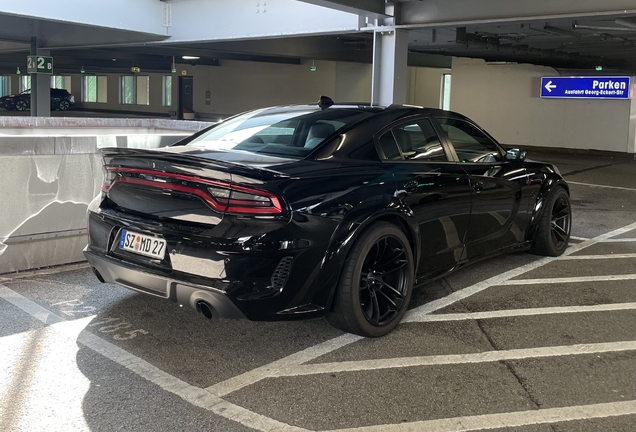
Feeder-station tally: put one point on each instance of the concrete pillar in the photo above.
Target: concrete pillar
(40, 87)
(390, 72)
(631, 140)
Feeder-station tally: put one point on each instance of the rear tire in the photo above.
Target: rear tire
(553, 232)
(375, 287)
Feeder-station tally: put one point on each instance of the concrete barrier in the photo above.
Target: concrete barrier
(49, 173)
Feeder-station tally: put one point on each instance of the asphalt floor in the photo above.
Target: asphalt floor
(516, 343)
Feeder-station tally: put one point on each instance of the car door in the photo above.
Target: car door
(431, 186)
(497, 217)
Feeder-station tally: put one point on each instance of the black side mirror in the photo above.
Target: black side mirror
(515, 154)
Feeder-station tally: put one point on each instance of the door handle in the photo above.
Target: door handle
(478, 186)
(410, 186)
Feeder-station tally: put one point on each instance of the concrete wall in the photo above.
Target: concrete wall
(49, 176)
(240, 86)
(504, 99)
(425, 86)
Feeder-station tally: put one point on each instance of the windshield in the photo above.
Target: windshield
(279, 131)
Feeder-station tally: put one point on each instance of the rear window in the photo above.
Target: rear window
(279, 131)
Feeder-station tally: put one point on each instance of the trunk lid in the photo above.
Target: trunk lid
(190, 185)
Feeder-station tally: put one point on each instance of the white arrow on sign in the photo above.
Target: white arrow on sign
(549, 86)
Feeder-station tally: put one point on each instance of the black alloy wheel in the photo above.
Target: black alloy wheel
(553, 232)
(383, 281)
(21, 105)
(64, 105)
(560, 222)
(376, 283)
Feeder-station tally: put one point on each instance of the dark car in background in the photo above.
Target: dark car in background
(333, 211)
(61, 100)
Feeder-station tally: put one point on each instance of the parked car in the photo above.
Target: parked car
(61, 100)
(333, 211)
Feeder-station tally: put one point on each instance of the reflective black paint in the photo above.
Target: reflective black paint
(452, 213)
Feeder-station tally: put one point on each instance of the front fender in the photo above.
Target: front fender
(551, 182)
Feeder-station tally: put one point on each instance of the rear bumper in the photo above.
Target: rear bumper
(239, 271)
(138, 279)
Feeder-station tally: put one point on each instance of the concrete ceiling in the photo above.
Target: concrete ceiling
(569, 35)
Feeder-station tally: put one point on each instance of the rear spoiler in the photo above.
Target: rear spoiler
(202, 162)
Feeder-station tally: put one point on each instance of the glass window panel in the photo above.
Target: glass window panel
(25, 83)
(471, 145)
(90, 89)
(167, 90)
(419, 141)
(446, 92)
(5, 85)
(128, 93)
(389, 147)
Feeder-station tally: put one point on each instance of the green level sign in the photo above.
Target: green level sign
(40, 64)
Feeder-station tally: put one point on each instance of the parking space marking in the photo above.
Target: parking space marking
(579, 238)
(238, 382)
(507, 420)
(601, 186)
(194, 395)
(596, 257)
(453, 359)
(509, 313)
(619, 240)
(210, 398)
(573, 279)
(415, 314)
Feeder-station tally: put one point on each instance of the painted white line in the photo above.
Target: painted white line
(439, 360)
(414, 314)
(619, 240)
(509, 313)
(194, 395)
(7, 277)
(597, 257)
(273, 369)
(571, 279)
(601, 186)
(30, 307)
(578, 238)
(507, 420)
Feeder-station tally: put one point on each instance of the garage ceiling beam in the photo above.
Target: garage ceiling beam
(432, 13)
(142, 16)
(374, 9)
(196, 21)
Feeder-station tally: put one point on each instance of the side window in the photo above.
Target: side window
(419, 141)
(389, 147)
(470, 144)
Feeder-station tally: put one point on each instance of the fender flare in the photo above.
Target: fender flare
(551, 182)
(349, 230)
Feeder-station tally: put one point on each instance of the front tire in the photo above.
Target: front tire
(64, 105)
(553, 233)
(375, 287)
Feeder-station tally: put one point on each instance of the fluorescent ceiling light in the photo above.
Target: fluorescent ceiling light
(190, 57)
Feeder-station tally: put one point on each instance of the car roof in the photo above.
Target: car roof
(403, 109)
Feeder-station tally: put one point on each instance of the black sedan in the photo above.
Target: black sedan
(333, 211)
(60, 100)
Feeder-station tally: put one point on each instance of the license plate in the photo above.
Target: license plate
(141, 244)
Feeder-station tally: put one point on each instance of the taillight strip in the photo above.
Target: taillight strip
(208, 199)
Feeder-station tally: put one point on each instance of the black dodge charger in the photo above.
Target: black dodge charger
(325, 210)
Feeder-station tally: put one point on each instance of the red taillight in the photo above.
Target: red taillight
(219, 195)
